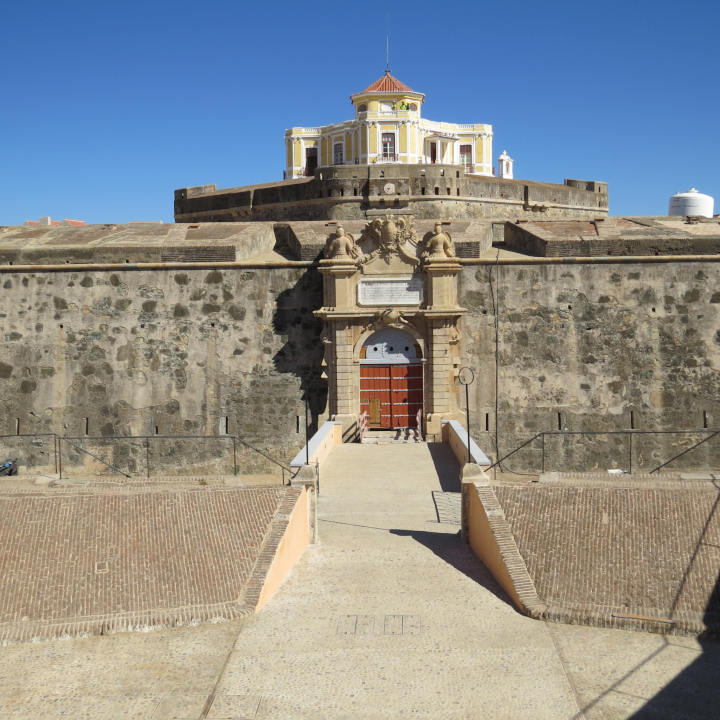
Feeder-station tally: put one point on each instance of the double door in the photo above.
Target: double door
(392, 395)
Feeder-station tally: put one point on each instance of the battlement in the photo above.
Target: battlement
(355, 192)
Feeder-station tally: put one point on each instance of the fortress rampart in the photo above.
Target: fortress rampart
(192, 347)
(357, 192)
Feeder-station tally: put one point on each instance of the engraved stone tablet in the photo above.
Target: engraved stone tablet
(390, 292)
(389, 189)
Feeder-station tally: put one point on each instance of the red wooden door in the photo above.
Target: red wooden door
(406, 383)
(399, 389)
(375, 383)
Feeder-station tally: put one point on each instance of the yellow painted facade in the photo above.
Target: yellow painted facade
(388, 128)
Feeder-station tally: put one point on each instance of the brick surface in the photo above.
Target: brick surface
(594, 553)
(83, 561)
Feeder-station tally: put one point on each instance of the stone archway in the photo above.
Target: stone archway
(391, 379)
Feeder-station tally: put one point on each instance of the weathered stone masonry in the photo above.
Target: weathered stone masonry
(175, 348)
(174, 352)
(583, 346)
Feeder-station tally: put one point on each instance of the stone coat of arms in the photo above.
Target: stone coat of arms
(391, 236)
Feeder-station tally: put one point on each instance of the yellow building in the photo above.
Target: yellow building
(388, 128)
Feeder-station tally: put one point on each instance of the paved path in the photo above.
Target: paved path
(389, 616)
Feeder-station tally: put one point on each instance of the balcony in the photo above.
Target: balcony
(387, 158)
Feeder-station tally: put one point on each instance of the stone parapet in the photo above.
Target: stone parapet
(347, 192)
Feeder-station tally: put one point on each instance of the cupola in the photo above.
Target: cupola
(387, 94)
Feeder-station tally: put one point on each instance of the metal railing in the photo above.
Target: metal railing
(72, 441)
(630, 433)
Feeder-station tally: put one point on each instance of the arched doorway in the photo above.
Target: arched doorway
(391, 379)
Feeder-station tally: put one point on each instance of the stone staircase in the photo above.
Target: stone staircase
(386, 437)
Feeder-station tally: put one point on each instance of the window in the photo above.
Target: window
(311, 160)
(413, 107)
(362, 108)
(388, 146)
(338, 154)
(466, 156)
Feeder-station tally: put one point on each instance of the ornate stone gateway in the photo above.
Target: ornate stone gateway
(390, 284)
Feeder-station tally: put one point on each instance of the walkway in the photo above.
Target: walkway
(389, 616)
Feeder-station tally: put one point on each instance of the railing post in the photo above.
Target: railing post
(147, 455)
(631, 452)
(235, 459)
(55, 451)
(59, 446)
(543, 452)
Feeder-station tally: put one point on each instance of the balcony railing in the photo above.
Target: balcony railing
(388, 157)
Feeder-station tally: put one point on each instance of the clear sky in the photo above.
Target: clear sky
(107, 108)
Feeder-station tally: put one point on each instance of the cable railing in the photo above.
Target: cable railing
(143, 442)
(629, 434)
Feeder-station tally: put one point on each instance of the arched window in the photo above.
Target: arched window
(362, 108)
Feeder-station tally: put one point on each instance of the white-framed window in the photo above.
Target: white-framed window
(338, 154)
(466, 156)
(387, 143)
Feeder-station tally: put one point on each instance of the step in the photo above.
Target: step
(386, 437)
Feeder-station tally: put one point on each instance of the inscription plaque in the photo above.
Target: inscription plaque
(390, 292)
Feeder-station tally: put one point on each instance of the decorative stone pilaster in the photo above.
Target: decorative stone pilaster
(339, 314)
(442, 315)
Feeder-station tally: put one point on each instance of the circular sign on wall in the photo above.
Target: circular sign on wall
(389, 189)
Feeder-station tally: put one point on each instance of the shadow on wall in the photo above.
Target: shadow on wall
(302, 353)
(447, 466)
(450, 549)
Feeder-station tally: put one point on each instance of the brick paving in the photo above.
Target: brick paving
(77, 561)
(594, 553)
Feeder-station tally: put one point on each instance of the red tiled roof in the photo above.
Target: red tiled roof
(387, 83)
(75, 223)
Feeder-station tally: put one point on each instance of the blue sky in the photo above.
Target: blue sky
(107, 108)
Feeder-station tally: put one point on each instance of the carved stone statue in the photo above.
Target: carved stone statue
(341, 245)
(391, 236)
(438, 244)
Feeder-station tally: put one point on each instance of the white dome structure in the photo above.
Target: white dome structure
(691, 202)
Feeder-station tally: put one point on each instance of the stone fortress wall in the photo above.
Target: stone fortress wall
(175, 352)
(346, 192)
(595, 347)
(122, 344)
